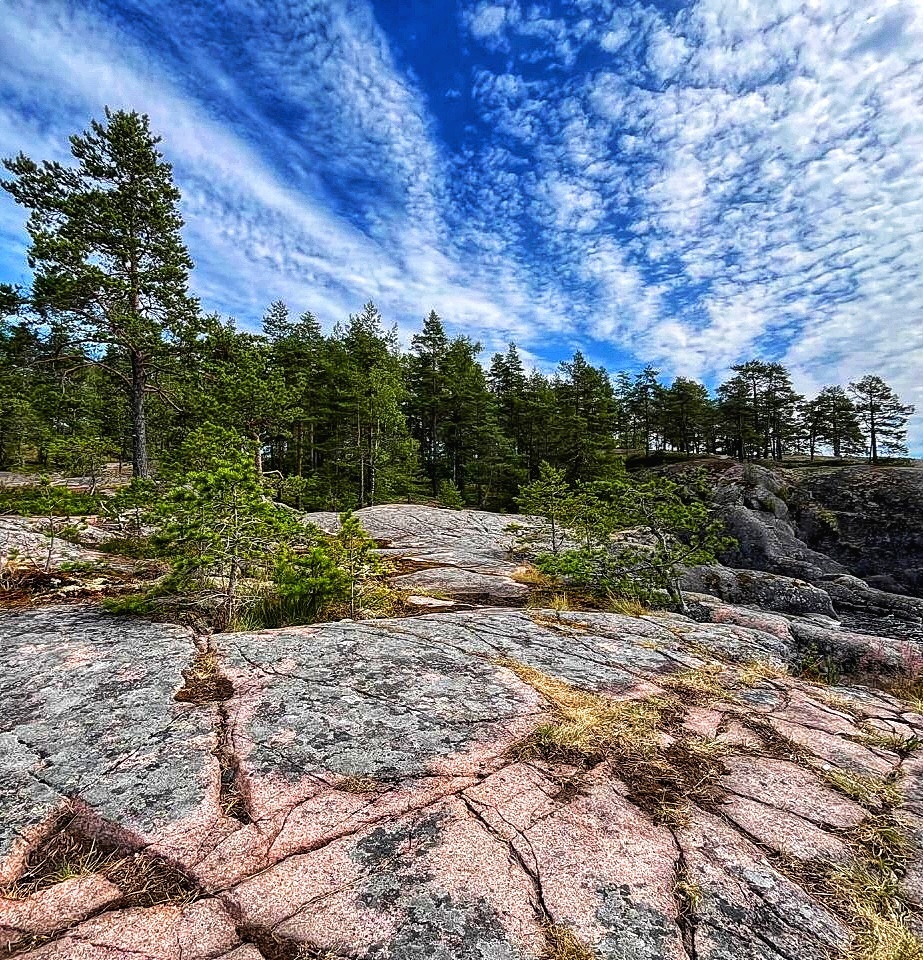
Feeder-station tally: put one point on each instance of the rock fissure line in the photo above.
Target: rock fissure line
(539, 904)
(686, 918)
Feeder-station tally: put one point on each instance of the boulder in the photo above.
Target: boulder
(768, 591)
(869, 518)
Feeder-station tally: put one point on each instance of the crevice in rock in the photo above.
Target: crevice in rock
(204, 683)
(685, 896)
(271, 946)
(539, 905)
(231, 797)
(144, 880)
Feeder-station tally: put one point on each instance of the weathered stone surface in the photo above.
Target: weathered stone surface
(88, 713)
(851, 593)
(23, 542)
(58, 906)
(465, 585)
(362, 791)
(472, 539)
(747, 909)
(757, 517)
(867, 517)
(768, 591)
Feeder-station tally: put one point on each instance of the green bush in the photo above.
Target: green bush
(36, 500)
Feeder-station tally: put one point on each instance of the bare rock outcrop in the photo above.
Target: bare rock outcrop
(493, 782)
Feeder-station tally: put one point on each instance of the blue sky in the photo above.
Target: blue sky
(688, 184)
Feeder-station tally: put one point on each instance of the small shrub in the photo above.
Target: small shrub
(450, 496)
(133, 604)
(37, 499)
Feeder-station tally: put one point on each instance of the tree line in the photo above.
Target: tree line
(108, 355)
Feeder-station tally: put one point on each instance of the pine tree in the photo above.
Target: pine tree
(831, 419)
(687, 411)
(108, 257)
(882, 415)
(644, 404)
(427, 390)
(585, 419)
(550, 497)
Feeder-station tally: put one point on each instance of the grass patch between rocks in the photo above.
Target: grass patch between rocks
(664, 773)
(561, 943)
(873, 793)
(144, 880)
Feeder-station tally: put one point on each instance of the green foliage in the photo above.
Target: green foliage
(110, 264)
(882, 416)
(226, 541)
(354, 552)
(46, 497)
(672, 525)
(552, 498)
(107, 356)
(80, 456)
(135, 604)
(303, 583)
(450, 496)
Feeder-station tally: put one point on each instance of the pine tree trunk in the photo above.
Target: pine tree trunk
(140, 467)
(299, 448)
(873, 437)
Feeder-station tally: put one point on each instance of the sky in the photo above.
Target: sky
(684, 184)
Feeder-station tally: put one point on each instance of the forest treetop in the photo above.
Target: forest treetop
(108, 355)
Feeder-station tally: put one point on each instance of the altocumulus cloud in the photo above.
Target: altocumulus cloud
(690, 189)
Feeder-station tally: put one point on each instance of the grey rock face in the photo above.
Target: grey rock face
(473, 540)
(88, 713)
(768, 591)
(868, 518)
(465, 585)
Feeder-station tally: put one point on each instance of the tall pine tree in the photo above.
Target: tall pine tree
(109, 260)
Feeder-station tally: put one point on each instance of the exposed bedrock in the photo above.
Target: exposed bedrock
(493, 782)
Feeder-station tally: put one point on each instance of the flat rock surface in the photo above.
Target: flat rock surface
(471, 539)
(23, 541)
(88, 714)
(362, 789)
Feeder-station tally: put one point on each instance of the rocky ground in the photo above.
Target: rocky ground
(488, 781)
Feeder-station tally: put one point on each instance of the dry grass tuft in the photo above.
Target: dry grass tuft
(870, 900)
(272, 946)
(774, 744)
(885, 740)
(688, 895)
(565, 626)
(561, 943)
(663, 775)
(204, 682)
(627, 606)
(866, 891)
(756, 672)
(145, 881)
(358, 785)
(909, 690)
(533, 577)
(832, 699)
(874, 793)
(883, 841)
(699, 685)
